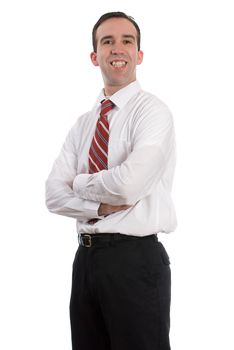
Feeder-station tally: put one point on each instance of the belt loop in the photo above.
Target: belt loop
(116, 236)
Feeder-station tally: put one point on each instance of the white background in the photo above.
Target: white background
(47, 81)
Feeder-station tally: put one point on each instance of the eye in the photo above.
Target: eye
(127, 41)
(107, 42)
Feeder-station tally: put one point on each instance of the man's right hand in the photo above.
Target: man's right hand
(107, 209)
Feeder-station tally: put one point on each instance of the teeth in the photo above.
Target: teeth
(118, 63)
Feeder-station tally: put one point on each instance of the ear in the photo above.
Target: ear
(93, 57)
(140, 56)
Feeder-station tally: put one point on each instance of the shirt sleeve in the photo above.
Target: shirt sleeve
(60, 197)
(152, 145)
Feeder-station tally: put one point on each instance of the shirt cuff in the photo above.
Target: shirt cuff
(89, 208)
(91, 205)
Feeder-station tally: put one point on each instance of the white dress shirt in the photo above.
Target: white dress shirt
(141, 161)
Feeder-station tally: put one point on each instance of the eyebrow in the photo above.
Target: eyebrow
(125, 36)
(129, 36)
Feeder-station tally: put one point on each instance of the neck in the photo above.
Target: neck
(110, 90)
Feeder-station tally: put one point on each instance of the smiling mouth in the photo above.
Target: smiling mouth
(118, 64)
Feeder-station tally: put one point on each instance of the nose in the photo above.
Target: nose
(117, 49)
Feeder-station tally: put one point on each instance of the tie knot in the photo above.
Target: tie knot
(106, 106)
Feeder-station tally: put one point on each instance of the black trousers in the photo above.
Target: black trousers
(120, 298)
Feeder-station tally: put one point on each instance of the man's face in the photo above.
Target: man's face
(117, 53)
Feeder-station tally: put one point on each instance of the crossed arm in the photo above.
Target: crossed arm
(87, 196)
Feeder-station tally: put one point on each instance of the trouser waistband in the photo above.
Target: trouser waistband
(97, 239)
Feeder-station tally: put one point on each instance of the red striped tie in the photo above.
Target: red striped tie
(98, 153)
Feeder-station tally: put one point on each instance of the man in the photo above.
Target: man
(114, 175)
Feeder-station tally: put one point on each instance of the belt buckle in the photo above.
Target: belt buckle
(87, 243)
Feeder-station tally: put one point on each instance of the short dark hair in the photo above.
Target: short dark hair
(115, 15)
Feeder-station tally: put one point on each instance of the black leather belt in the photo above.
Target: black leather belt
(96, 239)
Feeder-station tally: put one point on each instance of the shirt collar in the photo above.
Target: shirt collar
(122, 96)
